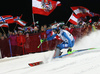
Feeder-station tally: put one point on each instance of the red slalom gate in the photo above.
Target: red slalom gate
(35, 63)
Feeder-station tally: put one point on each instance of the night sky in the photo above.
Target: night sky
(61, 13)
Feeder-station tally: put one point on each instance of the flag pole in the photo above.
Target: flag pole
(33, 19)
(15, 27)
(68, 20)
(18, 19)
(3, 30)
(33, 14)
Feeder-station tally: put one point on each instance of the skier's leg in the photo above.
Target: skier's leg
(58, 49)
(57, 52)
(65, 45)
(70, 47)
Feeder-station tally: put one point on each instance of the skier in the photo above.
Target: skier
(68, 40)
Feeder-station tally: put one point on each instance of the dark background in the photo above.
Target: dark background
(61, 13)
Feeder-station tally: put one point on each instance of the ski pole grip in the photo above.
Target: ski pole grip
(41, 40)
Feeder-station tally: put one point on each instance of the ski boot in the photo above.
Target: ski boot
(60, 53)
(69, 50)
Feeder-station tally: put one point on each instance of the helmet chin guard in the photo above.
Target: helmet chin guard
(56, 29)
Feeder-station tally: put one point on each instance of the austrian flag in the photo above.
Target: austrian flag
(81, 11)
(21, 23)
(44, 7)
(4, 25)
(73, 19)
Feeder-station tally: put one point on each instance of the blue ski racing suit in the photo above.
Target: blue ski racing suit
(68, 39)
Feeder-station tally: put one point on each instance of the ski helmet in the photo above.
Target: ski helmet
(56, 27)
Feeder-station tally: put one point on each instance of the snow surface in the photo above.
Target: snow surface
(86, 62)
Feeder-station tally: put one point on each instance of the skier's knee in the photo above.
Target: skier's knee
(57, 47)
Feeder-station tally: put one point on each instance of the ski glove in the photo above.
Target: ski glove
(43, 40)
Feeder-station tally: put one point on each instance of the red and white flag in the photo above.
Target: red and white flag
(73, 19)
(81, 11)
(21, 23)
(44, 8)
(31, 29)
(4, 25)
(90, 20)
(94, 14)
(20, 28)
(17, 18)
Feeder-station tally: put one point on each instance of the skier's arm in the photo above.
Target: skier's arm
(47, 39)
(51, 37)
(66, 36)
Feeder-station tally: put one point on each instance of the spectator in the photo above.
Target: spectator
(98, 26)
(42, 29)
(45, 27)
(4, 47)
(71, 28)
(84, 30)
(25, 31)
(16, 33)
(36, 30)
(89, 28)
(0, 35)
(93, 27)
(27, 46)
(49, 32)
(66, 28)
(29, 30)
(20, 43)
(13, 41)
(80, 24)
(9, 33)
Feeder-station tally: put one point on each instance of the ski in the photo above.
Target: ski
(35, 63)
(74, 51)
(67, 54)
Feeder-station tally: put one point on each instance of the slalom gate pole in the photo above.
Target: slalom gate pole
(10, 47)
(23, 48)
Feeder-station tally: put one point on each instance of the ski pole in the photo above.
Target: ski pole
(39, 45)
(41, 41)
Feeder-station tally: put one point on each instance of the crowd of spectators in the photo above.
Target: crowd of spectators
(18, 39)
